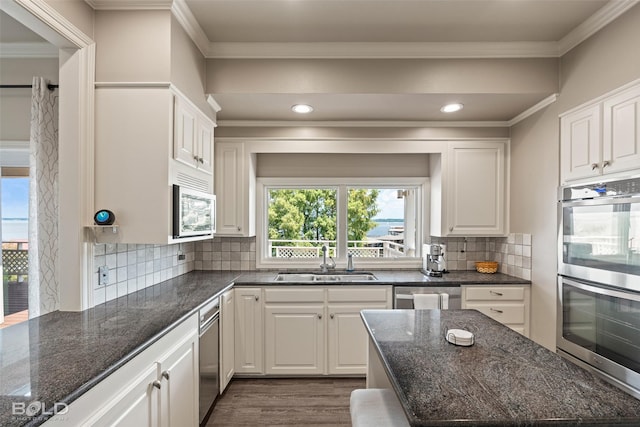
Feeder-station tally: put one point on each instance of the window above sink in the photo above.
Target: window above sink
(379, 222)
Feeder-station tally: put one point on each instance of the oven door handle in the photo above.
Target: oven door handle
(601, 201)
(602, 291)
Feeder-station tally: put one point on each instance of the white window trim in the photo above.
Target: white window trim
(262, 184)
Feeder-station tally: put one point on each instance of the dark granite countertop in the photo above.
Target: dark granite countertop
(393, 277)
(59, 356)
(504, 379)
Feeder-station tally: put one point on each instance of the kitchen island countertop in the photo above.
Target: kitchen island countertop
(503, 379)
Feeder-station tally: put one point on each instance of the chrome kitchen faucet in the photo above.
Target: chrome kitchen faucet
(324, 267)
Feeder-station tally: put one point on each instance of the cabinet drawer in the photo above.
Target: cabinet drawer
(503, 313)
(358, 295)
(294, 295)
(494, 293)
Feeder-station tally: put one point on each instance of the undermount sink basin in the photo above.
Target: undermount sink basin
(324, 277)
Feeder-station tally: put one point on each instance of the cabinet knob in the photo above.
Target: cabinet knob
(200, 159)
(594, 166)
(239, 228)
(195, 157)
(605, 164)
(450, 228)
(495, 310)
(257, 297)
(331, 315)
(165, 375)
(319, 316)
(157, 384)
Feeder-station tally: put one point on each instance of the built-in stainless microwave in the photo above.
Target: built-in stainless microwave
(194, 213)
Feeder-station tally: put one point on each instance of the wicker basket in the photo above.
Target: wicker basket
(486, 266)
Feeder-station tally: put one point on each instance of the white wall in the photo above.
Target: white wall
(604, 62)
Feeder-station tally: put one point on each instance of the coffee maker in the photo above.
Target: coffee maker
(434, 263)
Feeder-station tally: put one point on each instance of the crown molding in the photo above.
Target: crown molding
(594, 23)
(130, 4)
(368, 50)
(189, 23)
(360, 123)
(534, 109)
(28, 50)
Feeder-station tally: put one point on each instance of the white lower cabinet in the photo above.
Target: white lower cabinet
(248, 331)
(508, 304)
(227, 338)
(294, 338)
(158, 387)
(318, 331)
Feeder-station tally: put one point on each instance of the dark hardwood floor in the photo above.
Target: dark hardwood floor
(285, 402)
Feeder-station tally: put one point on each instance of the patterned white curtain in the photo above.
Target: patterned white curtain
(43, 201)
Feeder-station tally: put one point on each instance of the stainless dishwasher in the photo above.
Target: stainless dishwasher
(209, 356)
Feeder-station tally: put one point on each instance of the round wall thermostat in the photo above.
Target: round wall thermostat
(104, 217)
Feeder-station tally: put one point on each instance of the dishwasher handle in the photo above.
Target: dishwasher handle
(206, 325)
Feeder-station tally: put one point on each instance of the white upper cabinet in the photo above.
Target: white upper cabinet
(193, 136)
(581, 145)
(235, 182)
(621, 132)
(601, 138)
(145, 141)
(468, 190)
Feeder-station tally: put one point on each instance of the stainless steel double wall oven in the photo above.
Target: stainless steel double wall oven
(599, 279)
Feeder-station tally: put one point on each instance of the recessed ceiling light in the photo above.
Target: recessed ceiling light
(302, 108)
(451, 108)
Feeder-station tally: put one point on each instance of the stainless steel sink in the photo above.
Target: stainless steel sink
(330, 277)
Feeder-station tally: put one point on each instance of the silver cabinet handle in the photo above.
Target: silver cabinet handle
(594, 166)
(605, 164)
(496, 310)
(157, 384)
(495, 293)
(331, 315)
(165, 375)
(319, 316)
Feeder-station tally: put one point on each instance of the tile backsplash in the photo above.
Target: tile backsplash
(226, 253)
(513, 253)
(133, 267)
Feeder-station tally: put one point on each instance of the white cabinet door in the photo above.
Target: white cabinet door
(348, 338)
(248, 331)
(294, 339)
(227, 338)
(476, 195)
(235, 190)
(137, 405)
(179, 379)
(580, 144)
(621, 132)
(205, 146)
(186, 133)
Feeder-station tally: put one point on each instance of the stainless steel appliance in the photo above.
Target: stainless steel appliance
(434, 263)
(600, 233)
(599, 329)
(194, 213)
(209, 357)
(403, 295)
(599, 280)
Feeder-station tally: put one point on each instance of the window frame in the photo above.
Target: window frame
(421, 184)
